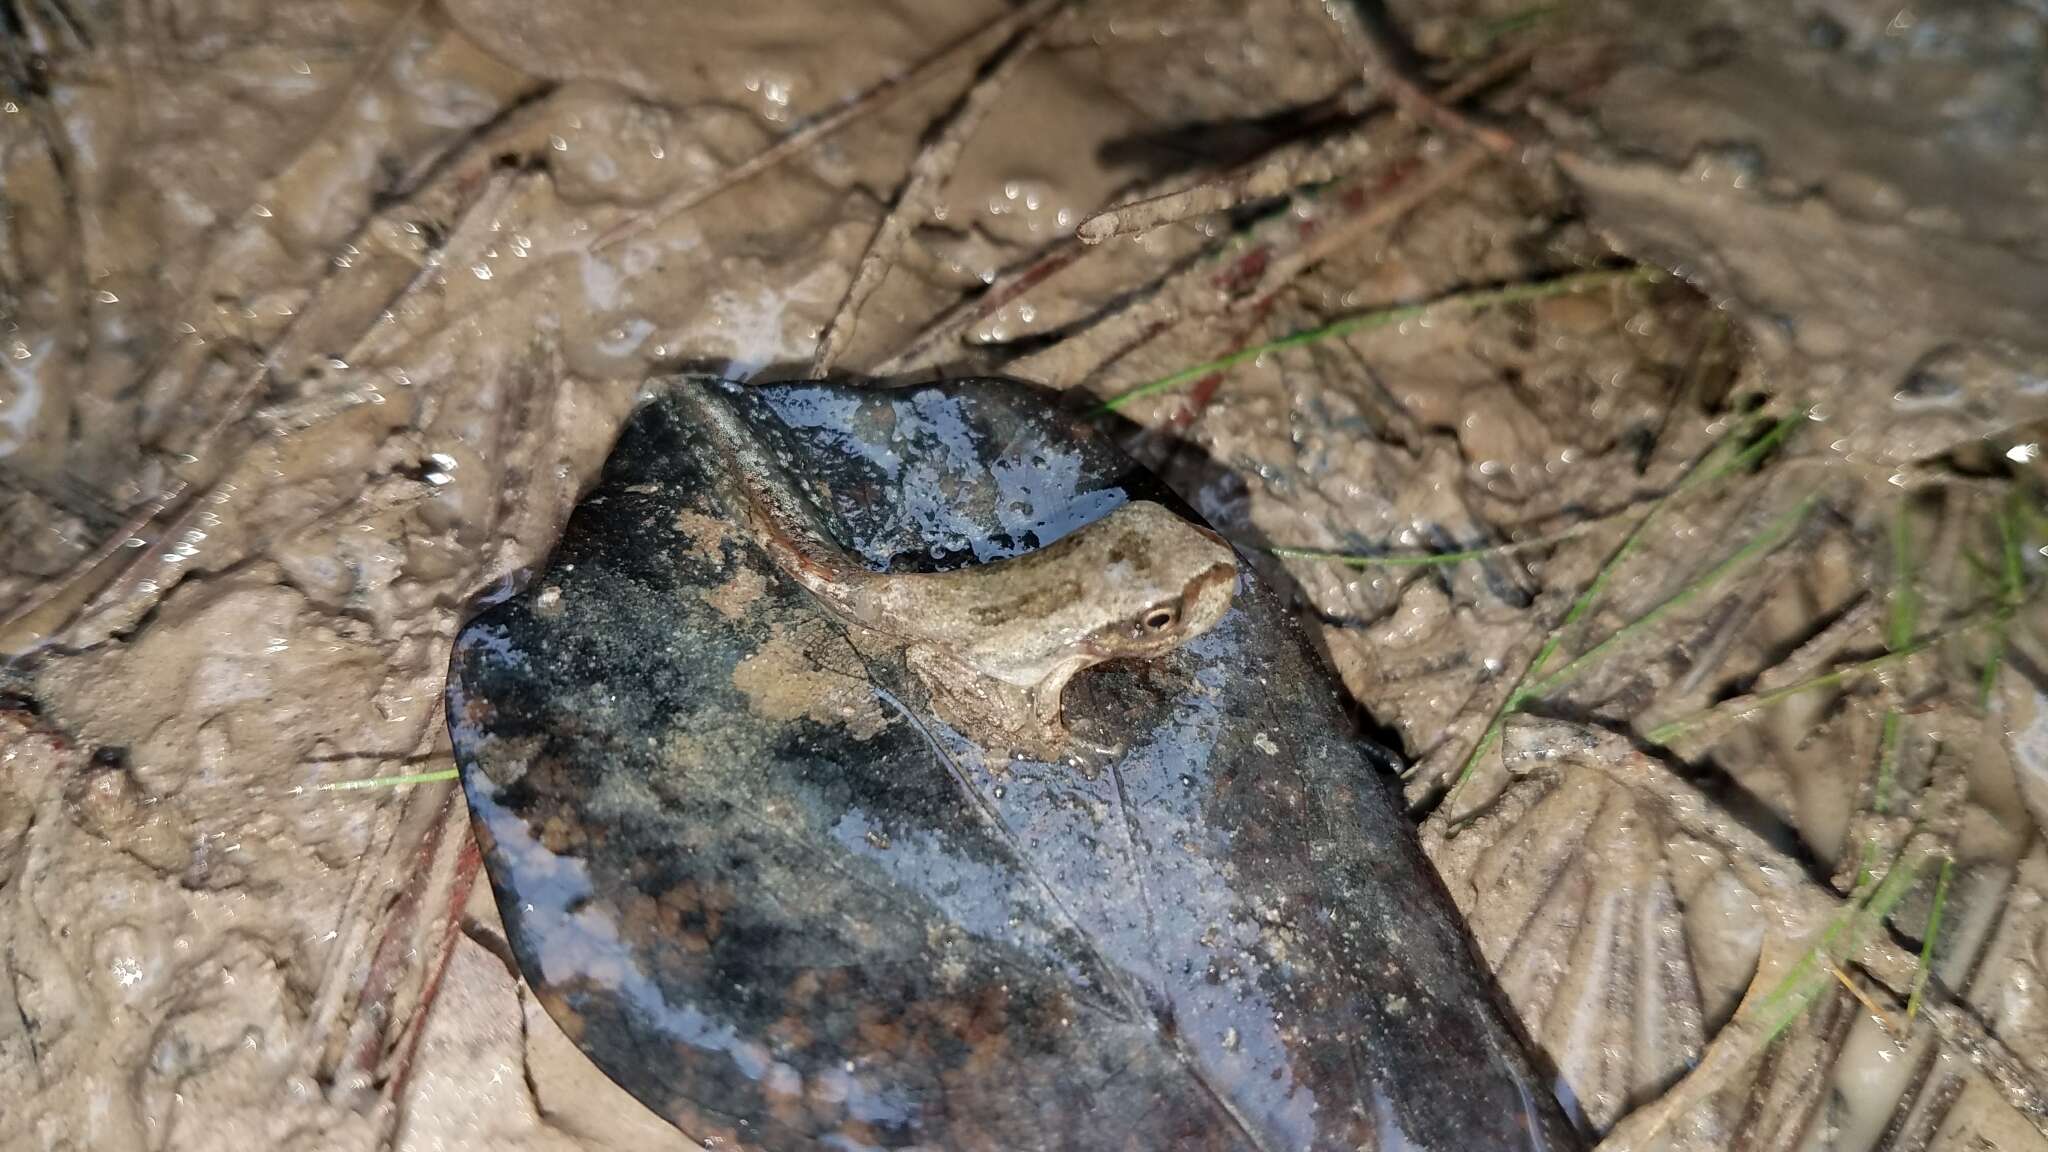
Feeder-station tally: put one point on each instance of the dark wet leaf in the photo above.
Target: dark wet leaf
(768, 889)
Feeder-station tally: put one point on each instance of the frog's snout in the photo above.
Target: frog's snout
(1206, 599)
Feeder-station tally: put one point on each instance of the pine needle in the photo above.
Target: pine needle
(1869, 1005)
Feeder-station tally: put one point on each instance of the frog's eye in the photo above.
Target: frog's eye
(1160, 619)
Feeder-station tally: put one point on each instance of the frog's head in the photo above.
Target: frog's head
(1176, 581)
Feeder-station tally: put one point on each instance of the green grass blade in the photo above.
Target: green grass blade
(389, 781)
(1765, 543)
(1728, 455)
(1887, 761)
(1469, 300)
(1904, 619)
(1841, 940)
(1665, 733)
(1905, 603)
(1987, 681)
(1396, 559)
(1438, 559)
(1753, 454)
(2012, 586)
(1484, 36)
(1921, 973)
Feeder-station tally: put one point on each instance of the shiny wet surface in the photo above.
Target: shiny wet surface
(765, 889)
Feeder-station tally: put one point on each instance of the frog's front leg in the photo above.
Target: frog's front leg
(1010, 717)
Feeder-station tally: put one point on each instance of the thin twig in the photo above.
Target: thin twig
(175, 368)
(347, 105)
(85, 591)
(1281, 170)
(1389, 206)
(1011, 285)
(1823, 648)
(1277, 173)
(955, 320)
(1204, 390)
(1195, 290)
(225, 438)
(1207, 287)
(1709, 652)
(1389, 63)
(928, 175)
(36, 621)
(1436, 559)
(1288, 268)
(866, 104)
(41, 617)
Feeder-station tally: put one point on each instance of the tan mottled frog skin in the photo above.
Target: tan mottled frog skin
(997, 643)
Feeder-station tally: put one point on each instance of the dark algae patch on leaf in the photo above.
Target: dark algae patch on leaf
(753, 865)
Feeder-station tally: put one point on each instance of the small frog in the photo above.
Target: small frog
(997, 643)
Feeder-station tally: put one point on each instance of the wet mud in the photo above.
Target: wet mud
(1712, 578)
